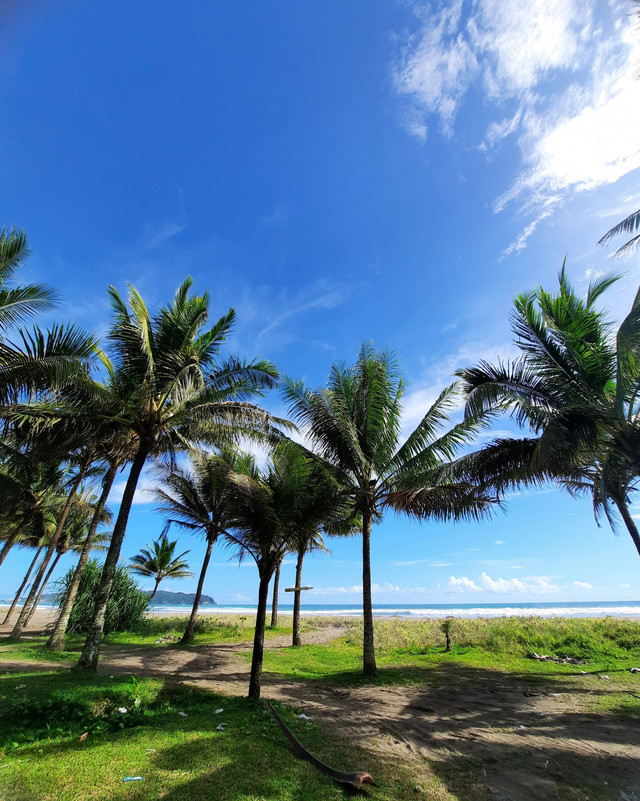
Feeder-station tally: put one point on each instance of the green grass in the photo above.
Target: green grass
(151, 632)
(210, 629)
(43, 716)
(412, 652)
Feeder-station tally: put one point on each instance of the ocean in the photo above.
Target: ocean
(416, 611)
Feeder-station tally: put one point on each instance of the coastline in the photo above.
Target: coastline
(623, 610)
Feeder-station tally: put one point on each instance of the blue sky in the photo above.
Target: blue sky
(394, 171)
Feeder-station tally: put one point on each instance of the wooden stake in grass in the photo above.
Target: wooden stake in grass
(446, 628)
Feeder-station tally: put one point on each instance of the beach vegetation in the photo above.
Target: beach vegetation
(159, 562)
(125, 608)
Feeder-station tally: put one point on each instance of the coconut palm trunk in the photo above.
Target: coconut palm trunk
(42, 588)
(25, 581)
(56, 640)
(369, 654)
(297, 642)
(187, 637)
(255, 681)
(629, 522)
(26, 609)
(10, 542)
(274, 599)
(91, 649)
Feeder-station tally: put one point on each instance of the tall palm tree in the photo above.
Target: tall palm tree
(172, 390)
(576, 387)
(271, 507)
(195, 499)
(160, 562)
(354, 423)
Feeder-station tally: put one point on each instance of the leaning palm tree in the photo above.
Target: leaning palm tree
(355, 425)
(271, 508)
(576, 387)
(73, 538)
(195, 498)
(160, 562)
(171, 389)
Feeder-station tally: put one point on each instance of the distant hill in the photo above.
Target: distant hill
(180, 599)
(161, 597)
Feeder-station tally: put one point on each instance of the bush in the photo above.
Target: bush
(126, 606)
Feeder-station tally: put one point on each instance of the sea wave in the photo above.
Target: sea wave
(426, 612)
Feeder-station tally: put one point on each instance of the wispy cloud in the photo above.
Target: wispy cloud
(562, 68)
(320, 297)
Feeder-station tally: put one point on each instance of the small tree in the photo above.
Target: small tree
(160, 563)
(126, 607)
(271, 507)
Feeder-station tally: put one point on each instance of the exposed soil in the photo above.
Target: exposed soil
(513, 737)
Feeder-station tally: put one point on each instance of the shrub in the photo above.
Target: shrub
(126, 606)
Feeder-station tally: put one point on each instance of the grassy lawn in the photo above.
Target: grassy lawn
(168, 735)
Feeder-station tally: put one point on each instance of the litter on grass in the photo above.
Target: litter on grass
(221, 726)
(183, 714)
(218, 711)
(303, 717)
(132, 779)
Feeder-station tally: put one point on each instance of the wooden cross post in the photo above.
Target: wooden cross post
(297, 589)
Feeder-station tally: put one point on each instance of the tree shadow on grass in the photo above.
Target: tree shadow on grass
(480, 727)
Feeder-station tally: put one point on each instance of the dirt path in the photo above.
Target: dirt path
(522, 740)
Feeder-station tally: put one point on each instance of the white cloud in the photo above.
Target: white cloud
(376, 589)
(583, 585)
(498, 542)
(532, 585)
(462, 584)
(498, 131)
(565, 69)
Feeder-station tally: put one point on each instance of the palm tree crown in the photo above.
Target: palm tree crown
(160, 562)
(355, 425)
(577, 387)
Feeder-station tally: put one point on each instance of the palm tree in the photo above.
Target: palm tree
(305, 542)
(577, 388)
(274, 596)
(271, 507)
(20, 302)
(196, 500)
(73, 537)
(160, 562)
(172, 390)
(83, 460)
(57, 637)
(355, 425)
(629, 225)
